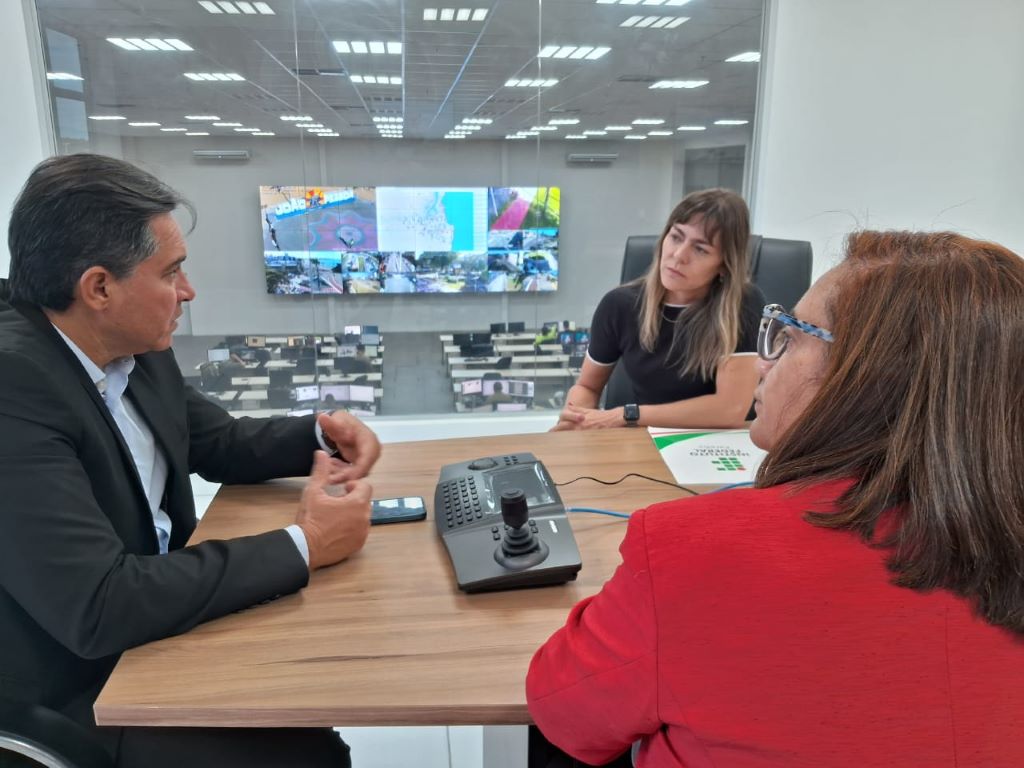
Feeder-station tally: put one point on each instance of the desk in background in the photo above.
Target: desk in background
(385, 638)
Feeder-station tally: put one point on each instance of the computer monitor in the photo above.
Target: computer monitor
(371, 329)
(307, 393)
(488, 386)
(462, 338)
(358, 393)
(473, 387)
(338, 393)
(481, 338)
(519, 388)
(353, 330)
(511, 406)
(517, 327)
(370, 334)
(218, 355)
(255, 341)
(371, 350)
(499, 328)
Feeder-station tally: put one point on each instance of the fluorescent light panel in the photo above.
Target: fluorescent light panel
(635, 136)
(588, 52)
(202, 117)
(747, 57)
(564, 121)
(173, 130)
(677, 84)
(197, 133)
(376, 79)
(228, 125)
(375, 46)
(215, 77)
(527, 83)
(692, 128)
(239, 6)
(648, 121)
(107, 117)
(575, 136)
(655, 22)
(144, 125)
(296, 118)
(62, 76)
(731, 122)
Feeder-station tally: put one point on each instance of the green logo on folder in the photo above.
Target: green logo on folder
(728, 464)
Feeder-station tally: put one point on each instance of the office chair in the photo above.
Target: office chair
(491, 376)
(499, 328)
(280, 377)
(305, 365)
(31, 735)
(780, 268)
(504, 363)
(460, 339)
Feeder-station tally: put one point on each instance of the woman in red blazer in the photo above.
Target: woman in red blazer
(863, 605)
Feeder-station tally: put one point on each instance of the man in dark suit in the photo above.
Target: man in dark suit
(98, 435)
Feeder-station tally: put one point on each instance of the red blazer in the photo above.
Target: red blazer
(737, 635)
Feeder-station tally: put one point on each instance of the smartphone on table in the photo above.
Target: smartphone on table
(398, 510)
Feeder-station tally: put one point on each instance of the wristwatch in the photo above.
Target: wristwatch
(631, 413)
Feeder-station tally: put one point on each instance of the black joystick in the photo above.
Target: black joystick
(520, 547)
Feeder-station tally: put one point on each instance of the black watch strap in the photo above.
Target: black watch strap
(631, 413)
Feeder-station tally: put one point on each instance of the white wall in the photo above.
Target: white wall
(23, 141)
(601, 206)
(890, 114)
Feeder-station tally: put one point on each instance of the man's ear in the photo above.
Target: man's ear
(94, 288)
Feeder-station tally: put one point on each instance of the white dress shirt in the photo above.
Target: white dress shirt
(150, 462)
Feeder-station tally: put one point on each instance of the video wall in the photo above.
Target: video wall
(410, 239)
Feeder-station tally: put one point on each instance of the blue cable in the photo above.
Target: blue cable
(597, 511)
(624, 515)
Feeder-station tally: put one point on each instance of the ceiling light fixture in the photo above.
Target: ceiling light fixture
(197, 133)
(635, 136)
(648, 121)
(296, 118)
(666, 3)
(575, 136)
(107, 117)
(144, 125)
(589, 52)
(731, 122)
(527, 83)
(655, 22)
(246, 130)
(747, 57)
(564, 121)
(263, 133)
(678, 84)
(376, 46)
(226, 125)
(692, 128)
(659, 133)
(375, 79)
(595, 133)
(618, 128)
(211, 77)
(455, 14)
(62, 76)
(477, 120)
(202, 117)
(173, 130)
(240, 6)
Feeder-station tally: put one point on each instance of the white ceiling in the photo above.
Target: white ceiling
(450, 70)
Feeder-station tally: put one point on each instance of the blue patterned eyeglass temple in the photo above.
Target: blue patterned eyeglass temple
(771, 342)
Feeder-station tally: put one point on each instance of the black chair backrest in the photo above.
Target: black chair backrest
(504, 363)
(491, 376)
(499, 328)
(462, 338)
(780, 268)
(49, 738)
(280, 377)
(305, 365)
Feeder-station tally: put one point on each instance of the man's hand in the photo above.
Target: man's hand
(335, 526)
(574, 417)
(358, 446)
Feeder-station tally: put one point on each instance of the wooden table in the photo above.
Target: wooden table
(385, 638)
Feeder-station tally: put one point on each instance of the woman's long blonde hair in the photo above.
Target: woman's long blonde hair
(707, 332)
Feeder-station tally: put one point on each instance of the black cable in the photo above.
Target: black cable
(630, 474)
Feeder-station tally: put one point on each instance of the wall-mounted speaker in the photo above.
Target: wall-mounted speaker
(240, 155)
(592, 158)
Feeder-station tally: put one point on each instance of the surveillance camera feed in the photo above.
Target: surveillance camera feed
(410, 239)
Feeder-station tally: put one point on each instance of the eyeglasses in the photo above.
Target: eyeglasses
(772, 339)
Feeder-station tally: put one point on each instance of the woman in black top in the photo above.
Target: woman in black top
(686, 332)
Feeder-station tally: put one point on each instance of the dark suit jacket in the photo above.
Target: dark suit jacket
(81, 579)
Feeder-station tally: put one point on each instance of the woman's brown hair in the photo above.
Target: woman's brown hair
(922, 405)
(709, 329)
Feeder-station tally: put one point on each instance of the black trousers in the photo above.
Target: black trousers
(543, 754)
(230, 747)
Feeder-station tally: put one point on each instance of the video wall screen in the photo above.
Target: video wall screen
(410, 239)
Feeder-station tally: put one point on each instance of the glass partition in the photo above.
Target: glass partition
(406, 207)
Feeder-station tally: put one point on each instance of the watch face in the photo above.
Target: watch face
(631, 413)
